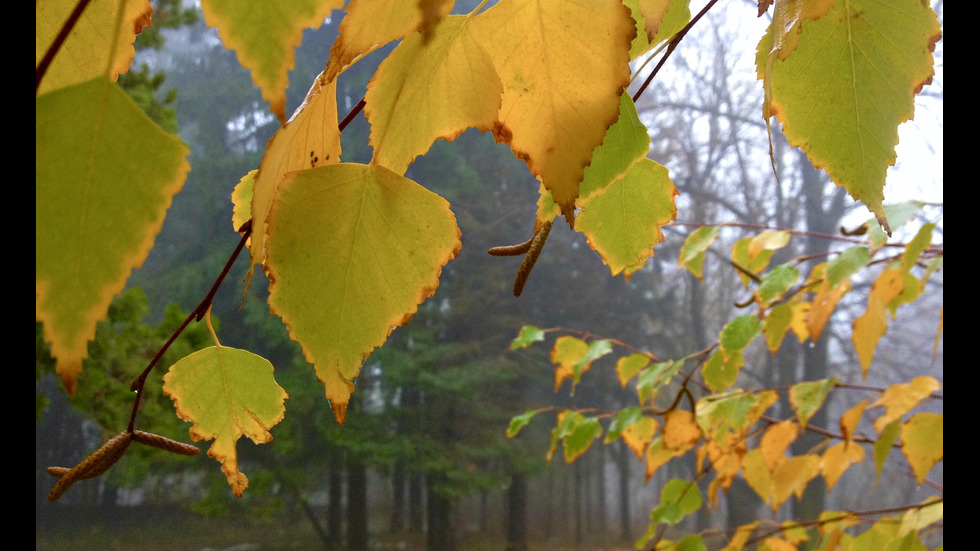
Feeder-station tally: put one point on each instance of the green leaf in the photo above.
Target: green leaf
(578, 442)
(678, 499)
(721, 370)
(519, 422)
(847, 264)
(846, 82)
(596, 350)
(776, 282)
(626, 143)
(655, 377)
(623, 419)
(352, 251)
(883, 446)
(918, 244)
(808, 397)
(695, 245)
(227, 393)
(528, 335)
(104, 178)
(738, 333)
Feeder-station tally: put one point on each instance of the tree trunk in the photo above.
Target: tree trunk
(357, 510)
(440, 537)
(397, 522)
(517, 513)
(335, 510)
(625, 530)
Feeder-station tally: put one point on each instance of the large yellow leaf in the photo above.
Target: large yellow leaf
(352, 251)
(101, 42)
(638, 436)
(922, 442)
(558, 102)
(370, 24)
(774, 442)
(263, 34)
(681, 430)
(104, 177)
(227, 393)
(791, 477)
(310, 139)
(423, 92)
(842, 83)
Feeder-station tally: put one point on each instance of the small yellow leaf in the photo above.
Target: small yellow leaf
(792, 476)
(658, 456)
(872, 325)
(681, 431)
(849, 421)
(837, 459)
(628, 366)
(922, 442)
(823, 306)
(776, 544)
(899, 399)
(639, 435)
(564, 355)
(774, 442)
(916, 519)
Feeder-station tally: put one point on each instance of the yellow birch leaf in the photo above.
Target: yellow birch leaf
(774, 442)
(658, 456)
(371, 24)
(829, 87)
(681, 431)
(241, 200)
(823, 306)
(808, 397)
(558, 103)
(741, 537)
(792, 476)
(849, 421)
(757, 474)
(96, 42)
(793, 532)
(352, 251)
(922, 442)
(628, 366)
(264, 35)
(693, 251)
(726, 462)
(227, 393)
(564, 355)
(104, 178)
(310, 139)
(939, 334)
(837, 459)
(899, 399)
(916, 519)
(777, 544)
(423, 92)
(639, 435)
(777, 323)
(872, 325)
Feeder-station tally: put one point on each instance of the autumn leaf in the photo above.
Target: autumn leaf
(264, 36)
(872, 325)
(738, 333)
(681, 430)
(784, 317)
(899, 399)
(628, 366)
(638, 436)
(528, 335)
(352, 251)
(558, 103)
(792, 476)
(721, 370)
(573, 357)
(836, 460)
(428, 91)
(776, 440)
(922, 442)
(692, 253)
(371, 24)
(104, 179)
(227, 393)
(807, 397)
(102, 38)
(841, 83)
(310, 139)
(849, 421)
